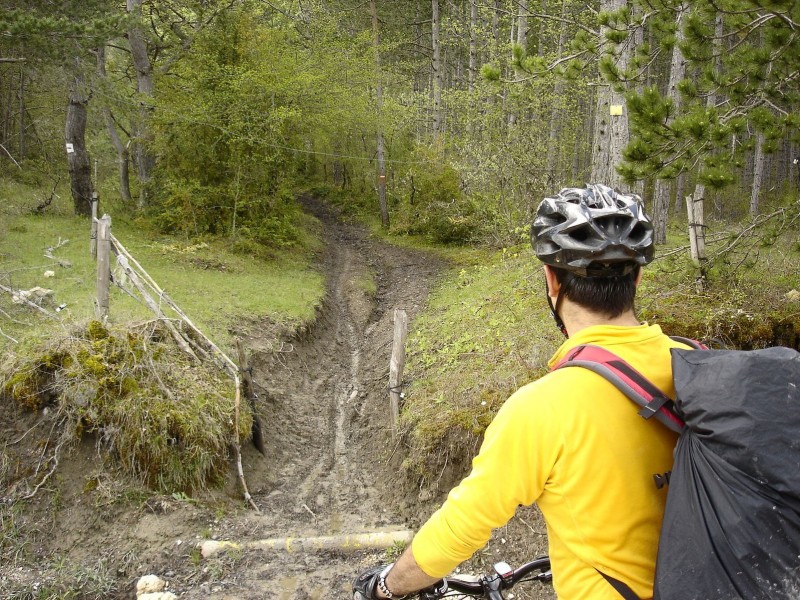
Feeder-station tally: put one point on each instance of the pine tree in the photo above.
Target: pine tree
(753, 62)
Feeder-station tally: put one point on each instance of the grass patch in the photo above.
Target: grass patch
(487, 330)
(62, 580)
(219, 287)
(367, 284)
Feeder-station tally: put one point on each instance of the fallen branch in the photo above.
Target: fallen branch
(8, 337)
(353, 542)
(757, 222)
(237, 447)
(16, 294)
(12, 319)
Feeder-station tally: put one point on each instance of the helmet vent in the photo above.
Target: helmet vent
(579, 235)
(639, 233)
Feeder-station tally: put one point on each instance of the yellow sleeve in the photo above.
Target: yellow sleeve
(518, 452)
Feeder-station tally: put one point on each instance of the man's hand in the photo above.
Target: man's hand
(365, 587)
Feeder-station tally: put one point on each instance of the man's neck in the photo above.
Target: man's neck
(576, 318)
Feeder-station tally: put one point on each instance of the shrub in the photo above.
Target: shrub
(435, 206)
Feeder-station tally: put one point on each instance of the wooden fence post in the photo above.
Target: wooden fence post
(396, 365)
(103, 265)
(93, 238)
(250, 394)
(697, 239)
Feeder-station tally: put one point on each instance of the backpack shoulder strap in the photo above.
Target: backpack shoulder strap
(694, 344)
(653, 402)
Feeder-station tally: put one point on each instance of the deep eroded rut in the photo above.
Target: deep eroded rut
(324, 407)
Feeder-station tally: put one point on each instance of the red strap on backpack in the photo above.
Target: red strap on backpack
(653, 402)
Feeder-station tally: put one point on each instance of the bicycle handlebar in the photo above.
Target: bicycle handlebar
(490, 586)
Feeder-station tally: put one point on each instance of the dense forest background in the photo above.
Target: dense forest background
(450, 118)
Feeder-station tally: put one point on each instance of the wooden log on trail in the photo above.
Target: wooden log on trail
(250, 394)
(396, 365)
(103, 280)
(345, 542)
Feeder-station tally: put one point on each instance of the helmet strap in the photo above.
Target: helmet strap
(554, 310)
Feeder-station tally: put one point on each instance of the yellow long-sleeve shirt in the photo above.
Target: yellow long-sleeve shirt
(575, 445)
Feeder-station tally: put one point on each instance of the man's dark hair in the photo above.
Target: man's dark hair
(607, 296)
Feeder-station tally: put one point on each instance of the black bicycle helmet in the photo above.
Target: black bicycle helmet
(593, 231)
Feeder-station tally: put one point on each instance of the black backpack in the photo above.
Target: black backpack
(731, 526)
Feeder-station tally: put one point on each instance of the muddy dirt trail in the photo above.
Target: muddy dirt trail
(324, 402)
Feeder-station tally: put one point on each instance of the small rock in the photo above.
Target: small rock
(149, 584)
(49, 273)
(158, 596)
(792, 296)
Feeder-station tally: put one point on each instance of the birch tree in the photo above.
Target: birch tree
(436, 65)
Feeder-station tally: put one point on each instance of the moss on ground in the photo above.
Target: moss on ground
(159, 415)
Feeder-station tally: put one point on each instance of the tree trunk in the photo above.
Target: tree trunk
(80, 174)
(437, 69)
(697, 237)
(758, 173)
(21, 113)
(145, 161)
(556, 114)
(384, 209)
(123, 158)
(680, 191)
(473, 42)
(662, 193)
(522, 25)
(611, 131)
(695, 207)
(498, 7)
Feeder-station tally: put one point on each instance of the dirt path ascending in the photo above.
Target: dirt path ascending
(324, 395)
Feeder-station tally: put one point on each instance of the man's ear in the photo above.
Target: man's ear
(553, 287)
(639, 276)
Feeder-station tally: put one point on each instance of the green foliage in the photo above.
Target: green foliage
(40, 31)
(437, 207)
(221, 169)
(751, 82)
(490, 72)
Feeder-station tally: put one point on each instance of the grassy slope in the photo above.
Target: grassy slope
(216, 288)
(488, 330)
